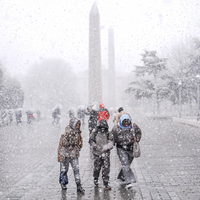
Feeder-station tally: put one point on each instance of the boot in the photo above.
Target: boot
(63, 186)
(80, 189)
(107, 186)
(96, 182)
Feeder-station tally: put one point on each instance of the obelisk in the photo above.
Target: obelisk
(95, 79)
(111, 67)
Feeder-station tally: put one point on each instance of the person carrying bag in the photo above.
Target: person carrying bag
(125, 136)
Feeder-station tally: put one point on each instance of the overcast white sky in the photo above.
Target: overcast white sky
(31, 29)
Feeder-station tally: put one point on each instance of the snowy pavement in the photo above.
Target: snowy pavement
(167, 169)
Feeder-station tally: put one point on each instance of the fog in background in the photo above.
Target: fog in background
(45, 46)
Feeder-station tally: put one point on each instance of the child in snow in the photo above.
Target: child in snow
(70, 144)
(101, 141)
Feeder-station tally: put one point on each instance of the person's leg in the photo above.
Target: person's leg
(64, 166)
(54, 119)
(106, 171)
(125, 161)
(97, 168)
(106, 168)
(121, 176)
(58, 119)
(75, 166)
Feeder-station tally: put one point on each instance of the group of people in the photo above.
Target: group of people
(123, 135)
(8, 116)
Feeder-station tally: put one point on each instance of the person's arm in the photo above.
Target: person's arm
(92, 139)
(81, 142)
(110, 141)
(61, 148)
(113, 135)
(138, 132)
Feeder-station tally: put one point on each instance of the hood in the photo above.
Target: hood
(116, 110)
(73, 121)
(94, 108)
(101, 105)
(102, 124)
(124, 116)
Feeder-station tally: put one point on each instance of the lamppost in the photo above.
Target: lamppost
(179, 99)
(198, 106)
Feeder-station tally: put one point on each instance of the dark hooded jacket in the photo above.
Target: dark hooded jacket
(124, 136)
(92, 122)
(71, 141)
(101, 139)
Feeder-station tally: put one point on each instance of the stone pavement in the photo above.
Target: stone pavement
(167, 169)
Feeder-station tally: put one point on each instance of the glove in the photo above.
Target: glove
(105, 147)
(110, 146)
(94, 147)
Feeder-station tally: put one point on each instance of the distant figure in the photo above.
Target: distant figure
(103, 113)
(30, 117)
(10, 116)
(81, 113)
(70, 145)
(92, 122)
(18, 115)
(120, 113)
(115, 116)
(4, 118)
(56, 116)
(71, 113)
(111, 111)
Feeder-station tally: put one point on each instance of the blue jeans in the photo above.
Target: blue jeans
(56, 120)
(64, 167)
(126, 158)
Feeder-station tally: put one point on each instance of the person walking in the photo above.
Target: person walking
(115, 116)
(101, 141)
(70, 145)
(93, 116)
(56, 115)
(81, 113)
(18, 115)
(120, 113)
(71, 112)
(10, 115)
(125, 134)
(103, 113)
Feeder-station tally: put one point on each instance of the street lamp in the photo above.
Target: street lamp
(198, 106)
(179, 99)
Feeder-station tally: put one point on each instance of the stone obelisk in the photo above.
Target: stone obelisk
(111, 67)
(95, 79)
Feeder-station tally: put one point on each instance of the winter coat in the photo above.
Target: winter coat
(115, 116)
(103, 113)
(101, 140)
(57, 111)
(92, 122)
(71, 141)
(124, 136)
(71, 113)
(18, 114)
(80, 113)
